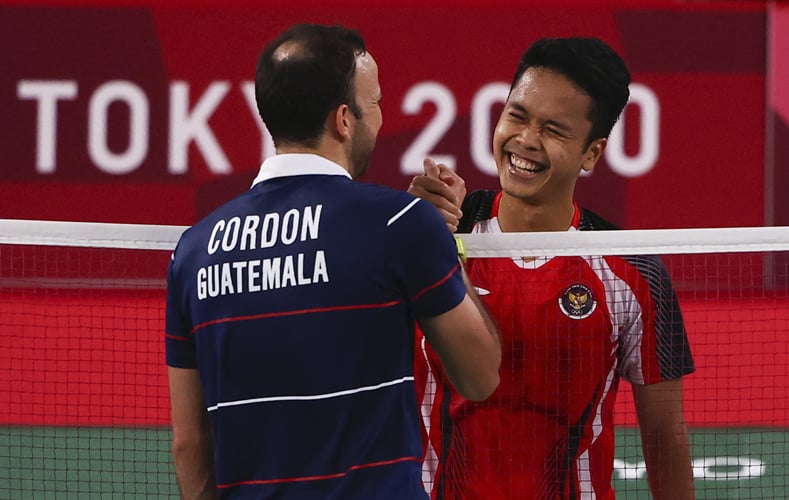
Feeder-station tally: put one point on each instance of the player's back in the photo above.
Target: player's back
(303, 327)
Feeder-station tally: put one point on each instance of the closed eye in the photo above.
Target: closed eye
(516, 116)
(558, 129)
(516, 112)
(556, 132)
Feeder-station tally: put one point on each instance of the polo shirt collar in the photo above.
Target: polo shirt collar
(286, 165)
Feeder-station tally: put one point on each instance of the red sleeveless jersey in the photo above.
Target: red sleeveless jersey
(571, 327)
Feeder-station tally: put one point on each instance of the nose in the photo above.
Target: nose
(529, 137)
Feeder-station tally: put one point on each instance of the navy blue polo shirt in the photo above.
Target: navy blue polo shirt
(296, 302)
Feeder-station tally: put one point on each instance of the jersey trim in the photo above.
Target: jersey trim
(311, 397)
(437, 283)
(494, 211)
(320, 309)
(287, 165)
(483, 204)
(179, 338)
(402, 212)
(318, 478)
(295, 312)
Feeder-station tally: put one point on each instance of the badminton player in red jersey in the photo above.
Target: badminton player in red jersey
(571, 327)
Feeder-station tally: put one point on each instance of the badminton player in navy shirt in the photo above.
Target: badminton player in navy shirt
(291, 309)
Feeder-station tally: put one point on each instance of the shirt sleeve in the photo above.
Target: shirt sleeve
(659, 346)
(179, 341)
(426, 261)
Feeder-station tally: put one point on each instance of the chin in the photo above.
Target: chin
(359, 172)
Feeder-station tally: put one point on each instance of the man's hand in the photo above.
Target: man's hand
(442, 188)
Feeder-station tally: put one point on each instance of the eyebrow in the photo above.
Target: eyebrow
(559, 125)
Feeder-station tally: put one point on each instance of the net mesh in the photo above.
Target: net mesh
(83, 394)
(84, 407)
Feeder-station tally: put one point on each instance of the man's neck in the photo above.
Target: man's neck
(335, 154)
(518, 216)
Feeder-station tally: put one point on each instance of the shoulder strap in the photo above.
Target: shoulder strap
(477, 206)
(590, 221)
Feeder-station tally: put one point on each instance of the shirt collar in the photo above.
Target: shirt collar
(285, 165)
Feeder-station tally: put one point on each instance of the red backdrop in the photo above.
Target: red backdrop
(138, 112)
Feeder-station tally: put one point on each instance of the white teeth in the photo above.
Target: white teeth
(523, 163)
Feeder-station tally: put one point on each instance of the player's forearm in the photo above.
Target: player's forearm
(468, 345)
(493, 330)
(667, 455)
(194, 467)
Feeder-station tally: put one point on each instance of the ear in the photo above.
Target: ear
(342, 121)
(593, 153)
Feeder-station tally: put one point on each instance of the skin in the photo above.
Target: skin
(368, 98)
(544, 127)
(193, 442)
(664, 439)
(541, 145)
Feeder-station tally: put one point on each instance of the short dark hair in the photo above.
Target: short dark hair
(295, 94)
(592, 65)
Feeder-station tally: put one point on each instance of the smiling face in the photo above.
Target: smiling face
(540, 141)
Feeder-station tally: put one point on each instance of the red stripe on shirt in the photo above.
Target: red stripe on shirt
(319, 478)
(437, 283)
(292, 313)
(176, 337)
(576, 215)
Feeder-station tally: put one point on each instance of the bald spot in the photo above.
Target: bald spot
(287, 50)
